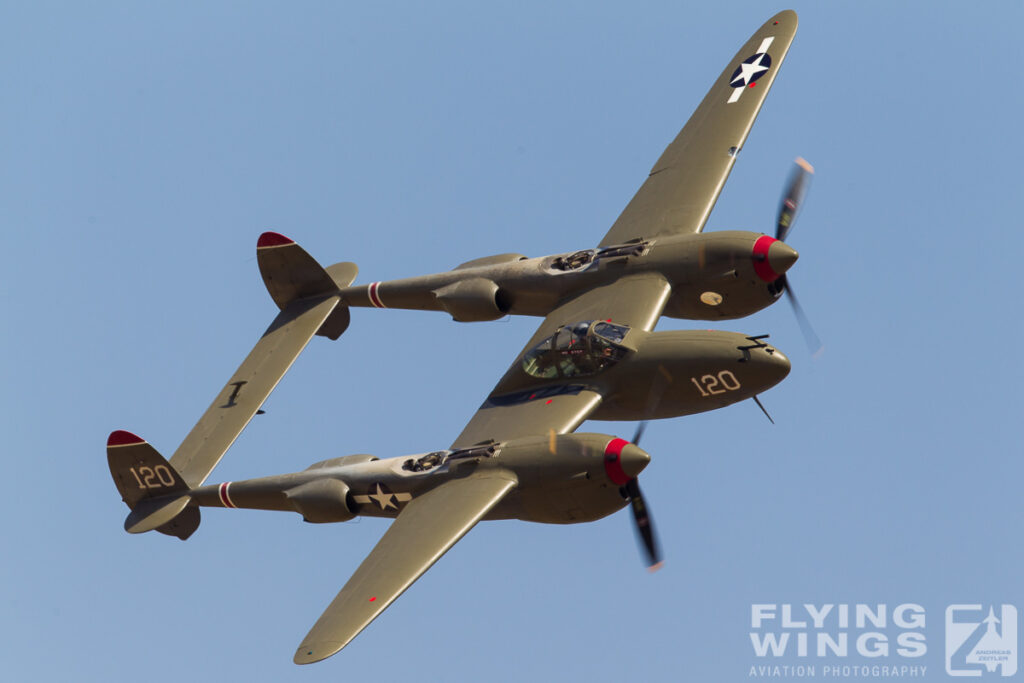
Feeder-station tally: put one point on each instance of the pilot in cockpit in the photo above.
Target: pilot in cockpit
(581, 349)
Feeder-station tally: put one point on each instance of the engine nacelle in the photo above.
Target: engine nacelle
(321, 501)
(474, 300)
(568, 478)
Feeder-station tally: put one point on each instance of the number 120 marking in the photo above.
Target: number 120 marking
(153, 477)
(711, 384)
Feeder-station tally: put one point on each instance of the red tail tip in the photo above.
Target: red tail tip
(123, 438)
(273, 239)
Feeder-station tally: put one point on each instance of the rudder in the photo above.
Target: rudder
(290, 274)
(154, 491)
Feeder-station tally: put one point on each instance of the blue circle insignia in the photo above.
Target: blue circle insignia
(750, 70)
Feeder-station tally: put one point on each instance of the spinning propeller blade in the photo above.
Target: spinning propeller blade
(639, 432)
(642, 516)
(813, 342)
(792, 200)
(644, 526)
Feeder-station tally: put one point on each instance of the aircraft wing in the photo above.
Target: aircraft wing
(419, 536)
(635, 300)
(250, 386)
(684, 184)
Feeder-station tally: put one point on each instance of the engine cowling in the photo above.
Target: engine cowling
(321, 501)
(474, 300)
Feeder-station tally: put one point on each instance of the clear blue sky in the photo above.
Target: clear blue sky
(144, 148)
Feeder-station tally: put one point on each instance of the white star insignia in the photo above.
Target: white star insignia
(383, 498)
(748, 71)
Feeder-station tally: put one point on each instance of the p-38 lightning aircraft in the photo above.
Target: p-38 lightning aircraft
(594, 356)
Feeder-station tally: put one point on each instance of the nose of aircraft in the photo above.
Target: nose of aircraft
(624, 461)
(778, 362)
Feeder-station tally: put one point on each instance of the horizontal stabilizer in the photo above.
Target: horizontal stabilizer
(247, 389)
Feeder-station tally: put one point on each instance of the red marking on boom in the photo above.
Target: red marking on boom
(225, 498)
(372, 292)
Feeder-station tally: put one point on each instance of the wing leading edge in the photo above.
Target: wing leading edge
(419, 536)
(684, 184)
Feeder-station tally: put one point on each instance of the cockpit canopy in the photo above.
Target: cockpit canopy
(576, 350)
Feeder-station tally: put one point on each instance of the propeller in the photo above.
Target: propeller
(813, 342)
(796, 191)
(642, 516)
(792, 200)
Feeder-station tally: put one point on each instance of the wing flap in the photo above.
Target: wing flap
(419, 536)
(684, 184)
(250, 386)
